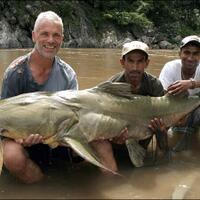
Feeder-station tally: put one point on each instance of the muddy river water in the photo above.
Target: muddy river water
(177, 179)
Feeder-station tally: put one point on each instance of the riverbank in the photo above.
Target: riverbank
(98, 24)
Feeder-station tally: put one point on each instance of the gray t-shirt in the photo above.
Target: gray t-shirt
(18, 78)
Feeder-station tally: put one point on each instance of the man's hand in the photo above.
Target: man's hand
(30, 140)
(179, 87)
(157, 125)
(123, 136)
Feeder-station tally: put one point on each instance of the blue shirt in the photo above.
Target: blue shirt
(18, 78)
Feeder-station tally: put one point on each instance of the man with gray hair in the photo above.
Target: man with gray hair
(39, 70)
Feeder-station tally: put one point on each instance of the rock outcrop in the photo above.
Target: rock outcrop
(17, 21)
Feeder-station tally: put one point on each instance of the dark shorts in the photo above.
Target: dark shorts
(44, 156)
(191, 123)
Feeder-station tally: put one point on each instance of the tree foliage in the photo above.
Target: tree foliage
(176, 16)
(168, 16)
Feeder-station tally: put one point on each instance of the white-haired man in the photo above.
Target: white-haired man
(39, 70)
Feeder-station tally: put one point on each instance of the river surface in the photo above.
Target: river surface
(177, 179)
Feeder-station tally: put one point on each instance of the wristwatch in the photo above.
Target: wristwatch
(193, 83)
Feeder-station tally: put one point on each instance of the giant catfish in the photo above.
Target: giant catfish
(75, 118)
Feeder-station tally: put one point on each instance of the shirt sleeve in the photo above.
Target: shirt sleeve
(157, 90)
(119, 77)
(151, 86)
(166, 76)
(73, 83)
(69, 75)
(10, 84)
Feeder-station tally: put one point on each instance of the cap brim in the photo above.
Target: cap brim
(192, 42)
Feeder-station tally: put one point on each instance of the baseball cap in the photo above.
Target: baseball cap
(134, 45)
(188, 39)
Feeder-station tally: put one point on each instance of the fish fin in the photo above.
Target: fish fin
(51, 141)
(117, 89)
(1, 155)
(85, 151)
(136, 152)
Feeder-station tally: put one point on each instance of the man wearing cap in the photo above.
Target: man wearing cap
(134, 61)
(183, 75)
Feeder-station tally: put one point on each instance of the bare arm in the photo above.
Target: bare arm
(159, 128)
(182, 86)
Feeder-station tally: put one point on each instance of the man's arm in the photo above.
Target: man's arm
(10, 84)
(182, 86)
(11, 87)
(158, 127)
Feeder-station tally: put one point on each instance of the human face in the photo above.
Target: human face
(190, 57)
(48, 38)
(134, 64)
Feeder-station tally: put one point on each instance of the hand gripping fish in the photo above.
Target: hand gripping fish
(75, 118)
